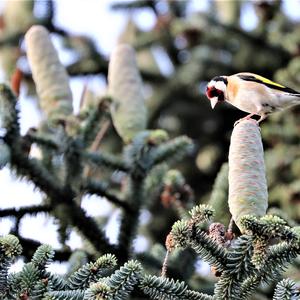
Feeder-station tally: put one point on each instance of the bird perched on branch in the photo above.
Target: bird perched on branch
(251, 93)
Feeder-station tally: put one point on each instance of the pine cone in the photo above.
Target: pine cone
(248, 194)
(49, 75)
(125, 86)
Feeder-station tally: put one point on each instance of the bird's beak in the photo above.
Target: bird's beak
(213, 103)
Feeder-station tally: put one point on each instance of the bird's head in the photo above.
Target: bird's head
(216, 90)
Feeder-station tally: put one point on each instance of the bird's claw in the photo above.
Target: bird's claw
(237, 122)
(246, 118)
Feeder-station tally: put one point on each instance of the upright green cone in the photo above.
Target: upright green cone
(128, 108)
(49, 75)
(17, 16)
(248, 194)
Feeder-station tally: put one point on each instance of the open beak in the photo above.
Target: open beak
(213, 102)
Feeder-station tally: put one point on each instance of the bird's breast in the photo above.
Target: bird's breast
(246, 102)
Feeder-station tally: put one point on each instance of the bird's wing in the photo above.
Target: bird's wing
(267, 82)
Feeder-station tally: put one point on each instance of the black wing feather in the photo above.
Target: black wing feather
(274, 87)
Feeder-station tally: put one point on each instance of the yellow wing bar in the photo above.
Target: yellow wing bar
(268, 81)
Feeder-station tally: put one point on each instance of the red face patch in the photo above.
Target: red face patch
(212, 92)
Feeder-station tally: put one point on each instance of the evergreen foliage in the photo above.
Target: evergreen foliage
(150, 147)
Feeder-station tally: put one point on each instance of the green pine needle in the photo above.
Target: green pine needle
(10, 246)
(163, 288)
(65, 295)
(123, 281)
(286, 290)
(43, 256)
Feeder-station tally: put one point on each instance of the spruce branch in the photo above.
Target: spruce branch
(77, 217)
(99, 290)
(13, 283)
(209, 250)
(172, 150)
(239, 257)
(260, 245)
(28, 277)
(162, 288)
(91, 272)
(219, 195)
(64, 295)
(270, 271)
(286, 290)
(24, 166)
(9, 249)
(249, 265)
(29, 281)
(39, 289)
(20, 212)
(193, 295)
(98, 188)
(250, 284)
(129, 222)
(73, 163)
(4, 266)
(132, 5)
(77, 259)
(238, 267)
(57, 283)
(10, 246)
(48, 183)
(44, 140)
(107, 160)
(227, 287)
(268, 226)
(123, 281)
(33, 170)
(179, 234)
(279, 255)
(201, 213)
(185, 233)
(150, 148)
(140, 153)
(43, 256)
(92, 123)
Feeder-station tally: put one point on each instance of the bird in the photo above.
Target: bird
(251, 93)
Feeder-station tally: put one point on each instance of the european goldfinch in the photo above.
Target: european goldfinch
(251, 93)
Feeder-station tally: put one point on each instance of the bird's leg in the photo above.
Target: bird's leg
(262, 117)
(245, 118)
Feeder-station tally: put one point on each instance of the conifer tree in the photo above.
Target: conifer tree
(227, 196)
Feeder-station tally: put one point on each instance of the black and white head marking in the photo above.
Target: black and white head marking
(216, 90)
